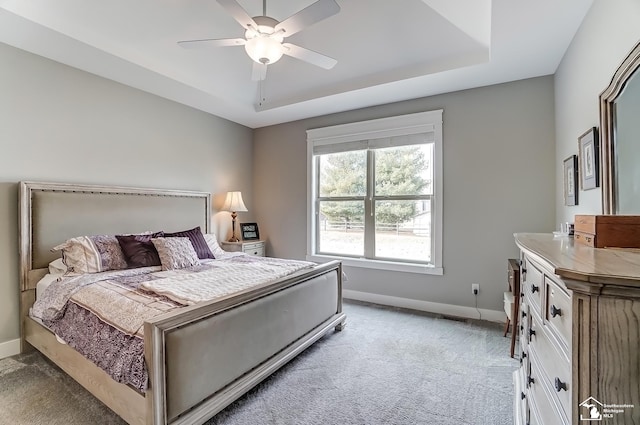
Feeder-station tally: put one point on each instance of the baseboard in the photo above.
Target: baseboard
(431, 307)
(9, 348)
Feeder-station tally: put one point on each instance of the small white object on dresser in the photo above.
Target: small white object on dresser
(579, 339)
(248, 247)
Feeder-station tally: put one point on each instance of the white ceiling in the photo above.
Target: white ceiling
(387, 51)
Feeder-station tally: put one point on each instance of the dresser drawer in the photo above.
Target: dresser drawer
(533, 419)
(532, 285)
(522, 396)
(520, 400)
(557, 313)
(544, 410)
(554, 368)
(524, 327)
(534, 333)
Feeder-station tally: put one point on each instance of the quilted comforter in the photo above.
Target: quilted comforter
(102, 315)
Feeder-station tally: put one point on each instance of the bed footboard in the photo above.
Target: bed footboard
(203, 358)
(123, 400)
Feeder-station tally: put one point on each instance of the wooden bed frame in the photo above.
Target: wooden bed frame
(200, 358)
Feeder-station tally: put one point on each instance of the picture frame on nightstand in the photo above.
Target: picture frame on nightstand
(249, 231)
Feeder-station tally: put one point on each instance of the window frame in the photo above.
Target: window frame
(352, 134)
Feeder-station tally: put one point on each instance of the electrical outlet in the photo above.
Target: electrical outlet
(475, 288)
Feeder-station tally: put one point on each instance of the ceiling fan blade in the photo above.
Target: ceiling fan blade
(308, 16)
(238, 13)
(211, 42)
(310, 56)
(259, 71)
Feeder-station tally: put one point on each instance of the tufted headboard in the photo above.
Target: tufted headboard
(51, 213)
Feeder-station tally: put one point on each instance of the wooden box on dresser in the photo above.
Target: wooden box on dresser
(579, 333)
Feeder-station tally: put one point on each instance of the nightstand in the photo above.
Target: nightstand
(248, 247)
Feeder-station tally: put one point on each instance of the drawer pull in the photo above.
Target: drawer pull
(522, 396)
(524, 314)
(522, 357)
(555, 311)
(534, 289)
(530, 381)
(560, 385)
(531, 333)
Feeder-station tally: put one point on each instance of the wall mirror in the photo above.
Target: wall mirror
(620, 138)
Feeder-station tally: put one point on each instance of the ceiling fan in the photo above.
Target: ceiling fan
(264, 35)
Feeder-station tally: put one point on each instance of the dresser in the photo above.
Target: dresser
(579, 334)
(249, 247)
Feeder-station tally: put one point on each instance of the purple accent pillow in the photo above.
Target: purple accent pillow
(138, 250)
(197, 240)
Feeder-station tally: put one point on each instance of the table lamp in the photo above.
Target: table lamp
(234, 203)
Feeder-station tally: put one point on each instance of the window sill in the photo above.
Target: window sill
(380, 265)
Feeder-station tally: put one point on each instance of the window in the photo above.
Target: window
(375, 193)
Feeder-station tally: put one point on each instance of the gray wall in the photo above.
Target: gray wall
(608, 33)
(64, 125)
(499, 174)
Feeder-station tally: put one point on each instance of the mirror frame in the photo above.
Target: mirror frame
(607, 127)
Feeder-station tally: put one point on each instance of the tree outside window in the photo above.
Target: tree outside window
(392, 186)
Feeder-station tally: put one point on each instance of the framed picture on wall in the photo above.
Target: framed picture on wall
(571, 180)
(249, 231)
(589, 159)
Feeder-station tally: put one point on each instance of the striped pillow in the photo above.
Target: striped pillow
(92, 254)
(212, 241)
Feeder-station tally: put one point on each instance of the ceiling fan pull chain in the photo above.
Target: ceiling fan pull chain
(261, 90)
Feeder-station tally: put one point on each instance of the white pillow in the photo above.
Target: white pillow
(212, 241)
(57, 267)
(175, 253)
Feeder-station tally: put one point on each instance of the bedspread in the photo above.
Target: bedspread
(226, 277)
(102, 315)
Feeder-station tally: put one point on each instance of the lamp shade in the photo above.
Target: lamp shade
(234, 202)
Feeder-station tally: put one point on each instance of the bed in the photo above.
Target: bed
(183, 362)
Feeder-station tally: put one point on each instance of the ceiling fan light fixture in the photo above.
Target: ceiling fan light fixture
(264, 36)
(264, 49)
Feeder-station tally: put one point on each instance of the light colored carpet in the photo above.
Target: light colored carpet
(386, 367)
